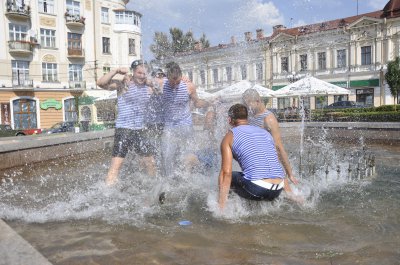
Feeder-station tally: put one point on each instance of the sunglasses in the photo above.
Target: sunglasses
(138, 62)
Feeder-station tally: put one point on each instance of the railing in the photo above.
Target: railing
(76, 52)
(72, 19)
(19, 45)
(20, 10)
(22, 83)
(77, 84)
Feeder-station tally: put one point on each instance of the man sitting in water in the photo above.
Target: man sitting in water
(254, 149)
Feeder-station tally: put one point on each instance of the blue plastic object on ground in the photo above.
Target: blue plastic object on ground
(185, 222)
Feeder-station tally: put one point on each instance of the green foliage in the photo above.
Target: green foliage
(392, 77)
(166, 46)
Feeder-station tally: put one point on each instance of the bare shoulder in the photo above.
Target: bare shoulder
(270, 121)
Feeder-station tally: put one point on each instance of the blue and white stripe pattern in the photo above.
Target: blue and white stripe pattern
(176, 103)
(132, 107)
(254, 149)
(258, 120)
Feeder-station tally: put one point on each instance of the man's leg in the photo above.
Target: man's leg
(149, 165)
(112, 176)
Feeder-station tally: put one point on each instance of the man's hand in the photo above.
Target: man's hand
(293, 179)
(122, 70)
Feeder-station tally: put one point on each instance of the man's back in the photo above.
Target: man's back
(254, 149)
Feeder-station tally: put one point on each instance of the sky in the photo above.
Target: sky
(221, 19)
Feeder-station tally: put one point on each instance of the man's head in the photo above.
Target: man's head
(237, 112)
(174, 73)
(140, 69)
(251, 98)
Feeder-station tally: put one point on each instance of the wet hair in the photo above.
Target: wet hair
(238, 111)
(173, 71)
(251, 95)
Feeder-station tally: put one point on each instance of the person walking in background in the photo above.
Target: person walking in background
(130, 129)
(262, 117)
(262, 176)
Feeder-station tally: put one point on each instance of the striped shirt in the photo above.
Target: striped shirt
(254, 149)
(176, 103)
(132, 107)
(258, 120)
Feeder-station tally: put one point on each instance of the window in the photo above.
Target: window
(106, 45)
(284, 64)
(283, 103)
(321, 102)
(126, 17)
(70, 110)
(24, 112)
(341, 58)
(259, 71)
(303, 62)
(243, 71)
(228, 73)
(215, 75)
(132, 46)
(74, 44)
(366, 55)
(73, 8)
(49, 72)
(365, 96)
(106, 69)
(340, 98)
(190, 75)
(75, 72)
(47, 38)
(46, 6)
(20, 73)
(17, 32)
(104, 15)
(321, 60)
(203, 77)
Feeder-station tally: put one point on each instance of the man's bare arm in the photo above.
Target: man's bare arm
(225, 175)
(198, 103)
(107, 82)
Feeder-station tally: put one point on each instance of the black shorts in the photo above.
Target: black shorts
(126, 139)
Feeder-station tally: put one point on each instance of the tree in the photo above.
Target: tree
(392, 77)
(165, 45)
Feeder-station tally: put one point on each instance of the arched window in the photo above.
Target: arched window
(70, 113)
(24, 113)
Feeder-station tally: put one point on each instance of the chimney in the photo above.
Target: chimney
(233, 40)
(198, 46)
(278, 27)
(247, 36)
(260, 34)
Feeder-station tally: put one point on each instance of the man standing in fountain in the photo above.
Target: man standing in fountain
(254, 149)
(178, 126)
(262, 117)
(133, 98)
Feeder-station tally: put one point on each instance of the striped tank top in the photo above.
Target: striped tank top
(176, 103)
(254, 149)
(132, 107)
(258, 120)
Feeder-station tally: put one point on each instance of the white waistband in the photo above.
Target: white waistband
(268, 185)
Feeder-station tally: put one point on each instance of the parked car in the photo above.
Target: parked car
(60, 127)
(6, 130)
(343, 105)
(32, 131)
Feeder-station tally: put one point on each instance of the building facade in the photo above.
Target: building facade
(54, 51)
(351, 52)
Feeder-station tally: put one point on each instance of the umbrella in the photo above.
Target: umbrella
(310, 86)
(110, 95)
(205, 95)
(236, 90)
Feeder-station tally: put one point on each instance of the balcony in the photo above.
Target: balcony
(20, 47)
(22, 83)
(13, 10)
(78, 85)
(77, 21)
(76, 53)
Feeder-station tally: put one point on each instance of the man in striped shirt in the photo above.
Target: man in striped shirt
(262, 176)
(131, 126)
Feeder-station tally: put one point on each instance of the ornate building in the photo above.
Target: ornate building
(55, 50)
(351, 52)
